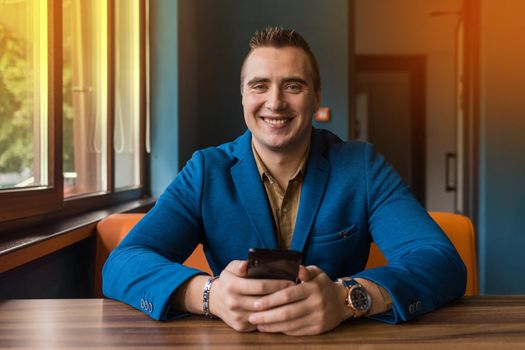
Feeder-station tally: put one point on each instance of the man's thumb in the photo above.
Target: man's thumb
(237, 267)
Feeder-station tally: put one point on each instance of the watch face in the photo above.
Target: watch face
(360, 299)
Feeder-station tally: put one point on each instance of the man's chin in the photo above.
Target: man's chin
(278, 146)
(281, 144)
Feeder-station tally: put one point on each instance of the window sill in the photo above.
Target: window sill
(32, 243)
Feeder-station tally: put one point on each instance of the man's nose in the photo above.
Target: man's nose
(275, 100)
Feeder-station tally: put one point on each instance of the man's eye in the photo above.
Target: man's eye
(294, 87)
(259, 87)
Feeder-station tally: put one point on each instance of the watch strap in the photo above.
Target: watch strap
(349, 282)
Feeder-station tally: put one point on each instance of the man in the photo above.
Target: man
(286, 185)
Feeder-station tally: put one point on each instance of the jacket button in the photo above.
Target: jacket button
(142, 304)
(150, 307)
(418, 305)
(411, 308)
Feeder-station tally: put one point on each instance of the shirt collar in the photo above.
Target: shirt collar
(265, 173)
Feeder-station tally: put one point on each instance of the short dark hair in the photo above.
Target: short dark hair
(279, 37)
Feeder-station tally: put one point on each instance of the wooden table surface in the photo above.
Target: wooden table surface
(470, 323)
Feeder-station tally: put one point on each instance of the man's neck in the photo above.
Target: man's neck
(282, 165)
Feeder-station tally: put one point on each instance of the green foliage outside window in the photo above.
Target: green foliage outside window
(67, 115)
(16, 104)
(17, 107)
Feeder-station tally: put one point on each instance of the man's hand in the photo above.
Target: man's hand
(232, 296)
(312, 307)
(315, 306)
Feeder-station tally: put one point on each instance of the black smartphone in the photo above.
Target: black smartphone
(273, 264)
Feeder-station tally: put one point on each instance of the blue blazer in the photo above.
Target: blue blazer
(350, 197)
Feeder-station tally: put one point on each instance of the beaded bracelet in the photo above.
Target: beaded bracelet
(206, 297)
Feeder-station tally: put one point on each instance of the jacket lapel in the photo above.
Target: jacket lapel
(314, 185)
(251, 191)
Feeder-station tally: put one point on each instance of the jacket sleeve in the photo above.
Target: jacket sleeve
(424, 270)
(145, 269)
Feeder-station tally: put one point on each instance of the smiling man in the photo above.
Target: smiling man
(284, 184)
(279, 97)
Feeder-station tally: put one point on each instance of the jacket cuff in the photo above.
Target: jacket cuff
(166, 312)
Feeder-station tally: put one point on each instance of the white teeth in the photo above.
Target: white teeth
(276, 121)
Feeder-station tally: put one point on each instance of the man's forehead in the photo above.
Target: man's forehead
(286, 61)
(287, 53)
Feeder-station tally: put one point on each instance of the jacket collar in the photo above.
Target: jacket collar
(253, 197)
(313, 189)
(251, 191)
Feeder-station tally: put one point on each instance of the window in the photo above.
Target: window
(23, 94)
(127, 94)
(72, 104)
(85, 88)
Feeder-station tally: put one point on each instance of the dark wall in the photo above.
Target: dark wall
(501, 235)
(67, 273)
(164, 82)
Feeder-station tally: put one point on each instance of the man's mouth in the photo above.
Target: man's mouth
(276, 121)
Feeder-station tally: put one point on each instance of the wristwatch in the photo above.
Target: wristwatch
(357, 297)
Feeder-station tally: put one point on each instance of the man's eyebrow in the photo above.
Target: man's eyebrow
(257, 80)
(295, 80)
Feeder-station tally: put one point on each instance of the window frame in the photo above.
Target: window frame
(20, 207)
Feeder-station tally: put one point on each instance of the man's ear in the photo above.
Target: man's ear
(317, 99)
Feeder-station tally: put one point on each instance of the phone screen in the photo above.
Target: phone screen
(273, 264)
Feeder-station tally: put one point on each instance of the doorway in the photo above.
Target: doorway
(390, 112)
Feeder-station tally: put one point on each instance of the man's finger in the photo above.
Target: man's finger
(237, 267)
(295, 327)
(241, 303)
(281, 297)
(258, 287)
(308, 273)
(290, 313)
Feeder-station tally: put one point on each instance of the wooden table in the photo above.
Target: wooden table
(470, 323)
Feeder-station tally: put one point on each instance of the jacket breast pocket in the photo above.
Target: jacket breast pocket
(341, 253)
(334, 237)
